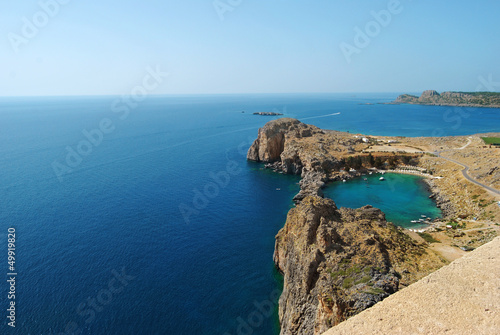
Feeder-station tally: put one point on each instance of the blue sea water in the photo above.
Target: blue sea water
(162, 227)
(404, 198)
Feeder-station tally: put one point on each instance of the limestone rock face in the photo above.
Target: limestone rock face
(336, 263)
(271, 140)
(292, 147)
(429, 94)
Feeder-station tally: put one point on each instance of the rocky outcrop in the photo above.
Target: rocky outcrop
(429, 94)
(459, 99)
(338, 262)
(270, 142)
(290, 146)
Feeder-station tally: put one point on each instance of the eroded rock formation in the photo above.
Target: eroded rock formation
(292, 147)
(338, 262)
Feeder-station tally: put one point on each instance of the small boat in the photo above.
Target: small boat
(498, 202)
(382, 178)
(278, 189)
(343, 181)
(365, 179)
(414, 221)
(420, 220)
(424, 216)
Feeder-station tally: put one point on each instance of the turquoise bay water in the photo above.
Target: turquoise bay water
(165, 209)
(404, 198)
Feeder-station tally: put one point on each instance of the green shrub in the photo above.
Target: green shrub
(364, 280)
(428, 238)
(375, 291)
(348, 282)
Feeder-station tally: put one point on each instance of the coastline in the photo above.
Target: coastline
(442, 104)
(453, 99)
(322, 156)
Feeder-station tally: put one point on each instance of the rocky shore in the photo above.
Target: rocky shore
(442, 201)
(338, 262)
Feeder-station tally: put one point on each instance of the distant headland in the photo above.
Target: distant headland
(459, 99)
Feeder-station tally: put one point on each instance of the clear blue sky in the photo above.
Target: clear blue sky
(261, 46)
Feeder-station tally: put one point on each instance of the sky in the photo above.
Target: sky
(110, 47)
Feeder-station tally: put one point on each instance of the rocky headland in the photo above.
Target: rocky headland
(338, 262)
(459, 99)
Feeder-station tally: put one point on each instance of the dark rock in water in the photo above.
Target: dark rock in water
(267, 113)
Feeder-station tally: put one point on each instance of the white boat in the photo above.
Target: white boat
(382, 178)
(414, 221)
(424, 216)
(365, 179)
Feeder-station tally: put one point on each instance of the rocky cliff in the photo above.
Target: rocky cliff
(460, 99)
(292, 147)
(338, 262)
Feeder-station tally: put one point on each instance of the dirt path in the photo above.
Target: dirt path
(447, 251)
(461, 298)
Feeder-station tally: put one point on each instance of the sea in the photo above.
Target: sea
(146, 217)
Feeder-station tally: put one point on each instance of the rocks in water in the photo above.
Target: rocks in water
(267, 113)
(337, 262)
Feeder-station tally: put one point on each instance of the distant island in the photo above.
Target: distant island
(267, 113)
(459, 99)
